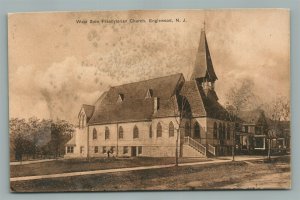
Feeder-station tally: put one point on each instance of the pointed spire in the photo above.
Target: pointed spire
(203, 68)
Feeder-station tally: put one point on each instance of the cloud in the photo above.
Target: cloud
(53, 72)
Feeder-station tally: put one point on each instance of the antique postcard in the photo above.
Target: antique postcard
(149, 100)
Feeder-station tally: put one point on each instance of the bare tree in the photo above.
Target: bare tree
(182, 110)
(278, 110)
(238, 99)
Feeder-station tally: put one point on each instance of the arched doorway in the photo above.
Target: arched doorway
(187, 130)
(196, 131)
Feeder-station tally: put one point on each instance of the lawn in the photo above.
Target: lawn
(78, 165)
(199, 177)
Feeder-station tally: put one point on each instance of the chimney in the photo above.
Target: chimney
(156, 104)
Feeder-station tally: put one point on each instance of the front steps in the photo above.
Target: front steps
(191, 152)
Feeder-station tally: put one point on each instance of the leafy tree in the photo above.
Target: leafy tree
(20, 137)
(35, 136)
(61, 132)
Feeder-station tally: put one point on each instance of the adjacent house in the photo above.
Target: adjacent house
(252, 132)
(256, 133)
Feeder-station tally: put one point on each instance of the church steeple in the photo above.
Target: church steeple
(204, 72)
(203, 68)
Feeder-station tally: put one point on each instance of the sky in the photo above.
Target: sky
(57, 64)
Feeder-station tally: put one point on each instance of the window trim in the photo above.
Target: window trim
(70, 149)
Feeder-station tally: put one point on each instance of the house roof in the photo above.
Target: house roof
(71, 142)
(256, 116)
(203, 67)
(135, 106)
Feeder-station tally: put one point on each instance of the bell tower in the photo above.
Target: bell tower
(203, 71)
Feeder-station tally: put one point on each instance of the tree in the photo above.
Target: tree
(239, 99)
(277, 110)
(182, 110)
(19, 137)
(32, 137)
(61, 132)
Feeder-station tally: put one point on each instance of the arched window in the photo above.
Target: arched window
(196, 130)
(228, 131)
(135, 132)
(106, 133)
(150, 131)
(94, 134)
(220, 131)
(158, 130)
(187, 129)
(121, 132)
(171, 129)
(215, 131)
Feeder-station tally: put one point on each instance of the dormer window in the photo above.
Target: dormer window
(149, 93)
(120, 98)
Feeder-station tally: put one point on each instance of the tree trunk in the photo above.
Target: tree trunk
(233, 145)
(269, 150)
(176, 151)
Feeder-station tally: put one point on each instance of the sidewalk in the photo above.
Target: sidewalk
(33, 161)
(69, 174)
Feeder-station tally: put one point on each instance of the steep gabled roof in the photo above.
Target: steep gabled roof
(191, 92)
(203, 67)
(201, 103)
(135, 106)
(89, 110)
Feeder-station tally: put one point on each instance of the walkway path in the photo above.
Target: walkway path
(215, 161)
(33, 161)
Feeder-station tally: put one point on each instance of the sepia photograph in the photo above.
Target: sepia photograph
(149, 100)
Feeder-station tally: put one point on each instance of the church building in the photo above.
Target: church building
(157, 117)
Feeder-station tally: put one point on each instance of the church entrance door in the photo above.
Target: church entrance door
(133, 151)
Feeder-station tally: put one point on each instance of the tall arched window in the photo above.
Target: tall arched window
(215, 131)
(121, 132)
(106, 133)
(228, 131)
(220, 131)
(187, 129)
(135, 132)
(171, 129)
(150, 131)
(158, 130)
(196, 130)
(94, 134)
